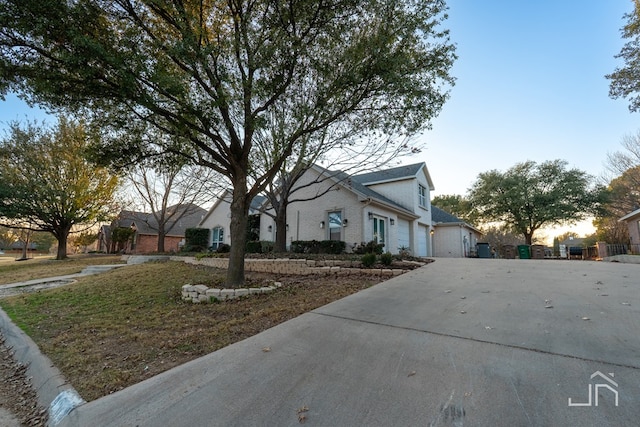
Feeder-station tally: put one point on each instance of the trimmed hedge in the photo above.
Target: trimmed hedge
(259, 247)
(196, 239)
(334, 247)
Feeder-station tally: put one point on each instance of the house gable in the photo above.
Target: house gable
(633, 224)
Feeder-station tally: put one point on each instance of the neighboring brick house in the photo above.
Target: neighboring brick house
(453, 238)
(145, 230)
(391, 206)
(633, 223)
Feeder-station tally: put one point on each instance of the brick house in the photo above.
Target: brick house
(145, 230)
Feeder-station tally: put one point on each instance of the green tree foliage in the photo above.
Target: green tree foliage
(212, 75)
(47, 184)
(530, 196)
(625, 80)
(623, 197)
(456, 205)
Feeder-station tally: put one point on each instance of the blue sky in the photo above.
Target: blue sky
(530, 86)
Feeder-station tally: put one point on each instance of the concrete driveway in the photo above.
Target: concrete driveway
(460, 342)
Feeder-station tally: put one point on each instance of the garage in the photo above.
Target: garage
(423, 232)
(404, 239)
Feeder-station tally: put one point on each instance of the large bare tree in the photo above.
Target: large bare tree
(170, 193)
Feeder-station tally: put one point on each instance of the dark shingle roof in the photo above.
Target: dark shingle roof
(440, 216)
(146, 223)
(358, 187)
(407, 171)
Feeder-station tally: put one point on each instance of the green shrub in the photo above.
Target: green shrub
(386, 258)
(371, 247)
(223, 249)
(267, 246)
(368, 260)
(254, 247)
(334, 247)
(196, 238)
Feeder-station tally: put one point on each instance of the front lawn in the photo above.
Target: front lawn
(112, 330)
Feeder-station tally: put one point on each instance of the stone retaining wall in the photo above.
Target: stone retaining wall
(203, 294)
(285, 266)
(294, 266)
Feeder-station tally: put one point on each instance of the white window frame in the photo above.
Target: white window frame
(215, 244)
(422, 195)
(339, 227)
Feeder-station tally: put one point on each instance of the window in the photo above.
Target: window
(335, 225)
(422, 195)
(217, 237)
(379, 230)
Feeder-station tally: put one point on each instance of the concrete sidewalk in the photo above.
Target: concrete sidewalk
(460, 342)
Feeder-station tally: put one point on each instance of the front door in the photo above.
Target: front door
(379, 230)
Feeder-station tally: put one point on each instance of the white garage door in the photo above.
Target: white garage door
(403, 234)
(422, 240)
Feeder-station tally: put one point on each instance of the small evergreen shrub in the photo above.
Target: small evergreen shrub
(196, 239)
(370, 247)
(386, 258)
(223, 249)
(254, 247)
(368, 260)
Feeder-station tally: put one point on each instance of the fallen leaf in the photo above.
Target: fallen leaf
(305, 408)
(302, 418)
(412, 373)
(467, 394)
(266, 349)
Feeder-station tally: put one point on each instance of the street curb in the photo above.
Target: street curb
(54, 392)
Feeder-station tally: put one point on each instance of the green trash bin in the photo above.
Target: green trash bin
(524, 251)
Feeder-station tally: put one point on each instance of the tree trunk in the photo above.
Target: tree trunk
(62, 247)
(238, 228)
(528, 237)
(161, 236)
(281, 228)
(24, 249)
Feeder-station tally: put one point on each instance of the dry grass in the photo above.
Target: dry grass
(110, 331)
(19, 271)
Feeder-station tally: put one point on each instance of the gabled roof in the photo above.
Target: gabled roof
(438, 215)
(146, 223)
(394, 174)
(255, 205)
(630, 215)
(441, 217)
(362, 190)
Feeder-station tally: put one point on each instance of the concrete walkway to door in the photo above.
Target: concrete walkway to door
(459, 342)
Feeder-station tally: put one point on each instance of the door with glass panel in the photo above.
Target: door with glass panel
(335, 225)
(379, 230)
